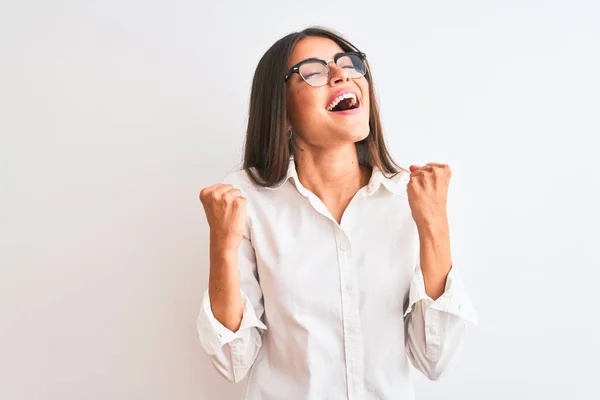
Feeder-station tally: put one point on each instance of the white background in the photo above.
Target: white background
(114, 114)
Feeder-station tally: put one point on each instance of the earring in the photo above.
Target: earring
(290, 134)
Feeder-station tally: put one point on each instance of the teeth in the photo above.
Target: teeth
(335, 101)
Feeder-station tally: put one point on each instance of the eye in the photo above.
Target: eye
(312, 69)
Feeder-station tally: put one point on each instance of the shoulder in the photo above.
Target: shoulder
(240, 179)
(399, 178)
(394, 182)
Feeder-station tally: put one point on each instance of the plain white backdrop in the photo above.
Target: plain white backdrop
(114, 114)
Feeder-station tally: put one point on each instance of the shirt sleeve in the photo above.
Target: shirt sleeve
(435, 329)
(233, 353)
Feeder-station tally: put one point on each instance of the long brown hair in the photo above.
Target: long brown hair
(267, 148)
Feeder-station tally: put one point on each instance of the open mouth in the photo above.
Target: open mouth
(344, 102)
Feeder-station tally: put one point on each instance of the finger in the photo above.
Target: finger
(221, 189)
(433, 164)
(440, 167)
(416, 173)
(212, 188)
(233, 192)
(240, 201)
(420, 170)
(414, 168)
(207, 190)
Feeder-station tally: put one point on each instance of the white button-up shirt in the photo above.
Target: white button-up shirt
(334, 311)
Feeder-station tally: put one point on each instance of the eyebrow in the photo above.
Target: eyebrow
(323, 59)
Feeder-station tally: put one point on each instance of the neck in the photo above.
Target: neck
(333, 175)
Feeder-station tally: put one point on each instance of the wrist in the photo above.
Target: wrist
(223, 247)
(433, 228)
(223, 254)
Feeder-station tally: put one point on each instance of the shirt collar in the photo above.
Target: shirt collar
(396, 184)
(291, 174)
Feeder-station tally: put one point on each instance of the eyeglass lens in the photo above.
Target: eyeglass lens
(317, 74)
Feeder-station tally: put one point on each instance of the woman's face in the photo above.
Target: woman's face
(308, 114)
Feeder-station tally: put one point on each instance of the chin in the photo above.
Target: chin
(360, 134)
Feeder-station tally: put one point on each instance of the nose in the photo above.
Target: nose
(336, 74)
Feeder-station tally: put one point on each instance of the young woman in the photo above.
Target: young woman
(330, 266)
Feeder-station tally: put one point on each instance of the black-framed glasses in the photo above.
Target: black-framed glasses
(315, 71)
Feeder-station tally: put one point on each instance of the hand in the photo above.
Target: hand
(225, 210)
(427, 192)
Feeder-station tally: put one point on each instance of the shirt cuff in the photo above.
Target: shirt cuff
(455, 300)
(214, 335)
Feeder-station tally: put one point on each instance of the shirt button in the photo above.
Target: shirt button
(349, 288)
(433, 330)
(343, 246)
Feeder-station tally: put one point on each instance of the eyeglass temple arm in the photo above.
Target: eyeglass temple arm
(292, 71)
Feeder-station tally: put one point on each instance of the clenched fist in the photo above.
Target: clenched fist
(427, 192)
(225, 210)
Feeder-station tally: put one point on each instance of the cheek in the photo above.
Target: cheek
(294, 99)
(304, 103)
(364, 89)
